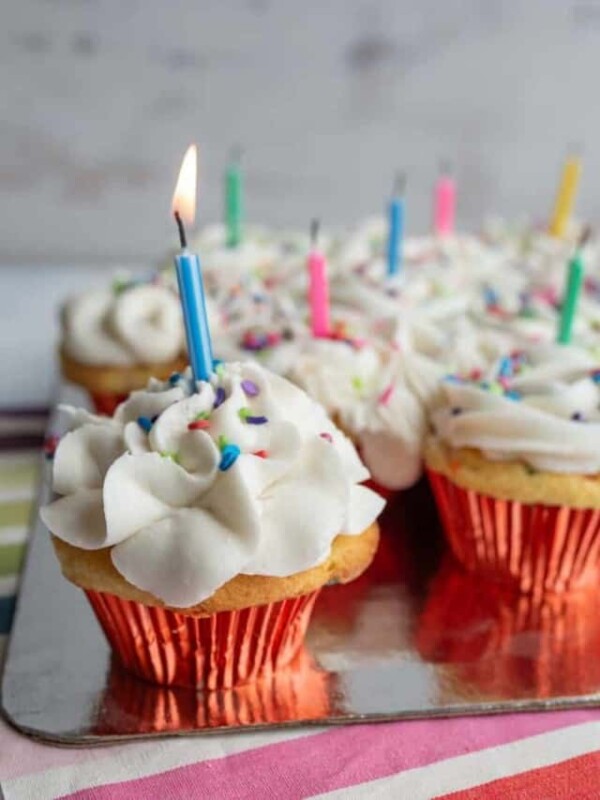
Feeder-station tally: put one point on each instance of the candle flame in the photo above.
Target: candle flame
(184, 196)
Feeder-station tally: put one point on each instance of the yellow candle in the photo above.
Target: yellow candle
(565, 199)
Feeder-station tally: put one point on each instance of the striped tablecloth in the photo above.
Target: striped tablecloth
(553, 755)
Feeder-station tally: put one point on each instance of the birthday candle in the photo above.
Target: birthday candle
(318, 291)
(444, 209)
(574, 282)
(565, 198)
(233, 199)
(189, 273)
(396, 214)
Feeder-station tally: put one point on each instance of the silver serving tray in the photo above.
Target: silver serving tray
(414, 637)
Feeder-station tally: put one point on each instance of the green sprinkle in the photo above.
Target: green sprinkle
(244, 412)
(220, 370)
(222, 442)
(201, 415)
(496, 388)
(358, 383)
(170, 454)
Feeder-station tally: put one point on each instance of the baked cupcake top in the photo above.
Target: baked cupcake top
(190, 488)
(130, 322)
(540, 406)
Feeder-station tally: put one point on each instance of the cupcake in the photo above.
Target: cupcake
(377, 396)
(433, 269)
(514, 462)
(114, 339)
(202, 521)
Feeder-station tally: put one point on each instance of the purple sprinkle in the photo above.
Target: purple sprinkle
(577, 416)
(250, 388)
(220, 397)
(256, 420)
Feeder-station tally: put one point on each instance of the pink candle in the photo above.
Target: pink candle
(445, 204)
(318, 291)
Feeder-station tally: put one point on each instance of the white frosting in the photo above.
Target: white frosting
(546, 414)
(140, 324)
(224, 266)
(379, 398)
(180, 521)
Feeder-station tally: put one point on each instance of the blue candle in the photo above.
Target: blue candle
(193, 301)
(396, 214)
(189, 274)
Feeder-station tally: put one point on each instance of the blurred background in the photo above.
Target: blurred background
(329, 99)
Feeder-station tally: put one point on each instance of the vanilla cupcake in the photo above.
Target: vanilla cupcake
(202, 521)
(514, 464)
(378, 396)
(114, 339)
(433, 269)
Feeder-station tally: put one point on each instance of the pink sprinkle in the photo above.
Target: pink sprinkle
(327, 436)
(385, 396)
(503, 381)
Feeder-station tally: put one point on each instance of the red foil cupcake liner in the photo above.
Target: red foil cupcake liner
(383, 491)
(107, 402)
(226, 649)
(539, 548)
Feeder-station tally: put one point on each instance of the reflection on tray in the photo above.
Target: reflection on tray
(504, 645)
(299, 692)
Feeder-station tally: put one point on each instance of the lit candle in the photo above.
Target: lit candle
(189, 273)
(565, 198)
(444, 209)
(572, 292)
(233, 199)
(318, 287)
(396, 214)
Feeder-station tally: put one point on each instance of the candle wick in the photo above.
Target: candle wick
(445, 167)
(235, 154)
(584, 237)
(181, 229)
(399, 184)
(315, 224)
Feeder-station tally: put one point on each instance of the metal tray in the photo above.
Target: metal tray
(413, 637)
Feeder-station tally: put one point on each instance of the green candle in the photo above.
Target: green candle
(572, 291)
(233, 201)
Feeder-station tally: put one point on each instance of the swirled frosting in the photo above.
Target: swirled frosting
(129, 324)
(379, 397)
(191, 488)
(540, 406)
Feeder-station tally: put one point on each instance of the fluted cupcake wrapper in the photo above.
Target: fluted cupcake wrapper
(226, 649)
(539, 548)
(107, 402)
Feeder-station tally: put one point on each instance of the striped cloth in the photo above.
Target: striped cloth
(552, 755)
